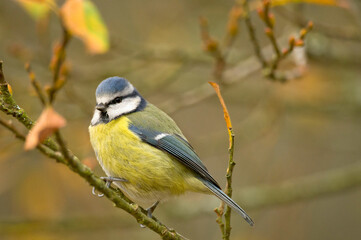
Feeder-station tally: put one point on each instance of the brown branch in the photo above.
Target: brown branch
(252, 34)
(341, 33)
(36, 84)
(270, 66)
(212, 47)
(9, 126)
(2, 78)
(57, 63)
(269, 19)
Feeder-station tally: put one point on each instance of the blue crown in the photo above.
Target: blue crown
(111, 85)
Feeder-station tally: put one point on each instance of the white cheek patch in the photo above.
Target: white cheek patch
(96, 117)
(127, 105)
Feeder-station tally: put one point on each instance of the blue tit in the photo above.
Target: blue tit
(143, 151)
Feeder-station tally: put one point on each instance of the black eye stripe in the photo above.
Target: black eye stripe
(121, 98)
(116, 100)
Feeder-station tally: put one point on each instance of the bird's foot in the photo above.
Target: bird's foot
(108, 181)
(150, 211)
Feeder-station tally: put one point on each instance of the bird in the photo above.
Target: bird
(142, 150)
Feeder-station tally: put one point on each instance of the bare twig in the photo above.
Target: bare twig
(9, 125)
(232, 28)
(2, 78)
(226, 228)
(36, 84)
(341, 33)
(269, 20)
(212, 47)
(270, 66)
(252, 34)
(57, 63)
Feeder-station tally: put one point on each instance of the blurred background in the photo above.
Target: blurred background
(284, 131)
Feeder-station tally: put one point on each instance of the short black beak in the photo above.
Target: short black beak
(101, 107)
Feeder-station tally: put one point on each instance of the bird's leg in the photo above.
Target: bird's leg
(150, 211)
(108, 181)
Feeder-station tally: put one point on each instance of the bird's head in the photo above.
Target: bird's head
(115, 97)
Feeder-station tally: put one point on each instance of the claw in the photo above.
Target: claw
(97, 194)
(150, 211)
(108, 182)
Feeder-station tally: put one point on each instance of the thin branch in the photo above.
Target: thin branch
(57, 63)
(341, 33)
(2, 78)
(228, 189)
(269, 19)
(252, 34)
(212, 47)
(232, 28)
(270, 66)
(9, 126)
(226, 228)
(36, 84)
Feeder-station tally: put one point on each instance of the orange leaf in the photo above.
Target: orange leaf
(48, 122)
(82, 19)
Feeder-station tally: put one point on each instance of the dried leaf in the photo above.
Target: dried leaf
(227, 118)
(37, 9)
(82, 19)
(48, 122)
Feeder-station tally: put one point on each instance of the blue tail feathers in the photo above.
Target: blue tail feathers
(222, 196)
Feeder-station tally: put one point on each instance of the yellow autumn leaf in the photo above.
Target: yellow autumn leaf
(37, 9)
(83, 20)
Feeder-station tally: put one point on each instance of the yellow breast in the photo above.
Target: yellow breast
(151, 173)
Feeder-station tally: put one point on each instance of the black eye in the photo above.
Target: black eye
(116, 100)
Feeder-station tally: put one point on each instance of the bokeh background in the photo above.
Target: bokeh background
(283, 131)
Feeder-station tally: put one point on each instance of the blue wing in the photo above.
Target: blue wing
(178, 147)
